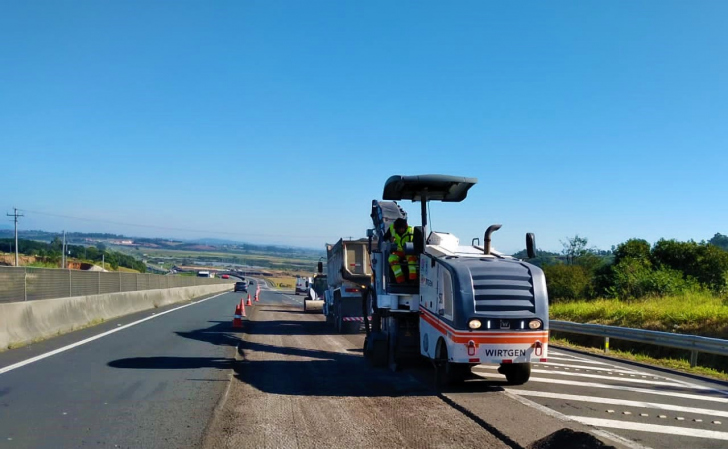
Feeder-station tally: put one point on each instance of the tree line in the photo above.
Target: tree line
(52, 253)
(636, 269)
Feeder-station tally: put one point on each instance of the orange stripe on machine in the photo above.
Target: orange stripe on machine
(523, 337)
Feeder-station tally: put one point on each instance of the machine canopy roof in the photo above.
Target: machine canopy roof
(435, 187)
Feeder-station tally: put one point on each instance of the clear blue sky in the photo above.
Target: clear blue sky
(280, 121)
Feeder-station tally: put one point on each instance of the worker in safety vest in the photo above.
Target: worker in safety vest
(399, 233)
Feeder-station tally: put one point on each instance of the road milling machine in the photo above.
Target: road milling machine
(470, 304)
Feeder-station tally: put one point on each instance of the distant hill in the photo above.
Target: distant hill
(218, 245)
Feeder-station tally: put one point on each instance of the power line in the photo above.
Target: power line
(15, 216)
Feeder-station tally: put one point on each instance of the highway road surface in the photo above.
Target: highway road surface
(151, 385)
(185, 378)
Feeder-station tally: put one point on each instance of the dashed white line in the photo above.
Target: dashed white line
(564, 359)
(591, 368)
(596, 376)
(624, 442)
(575, 383)
(652, 428)
(623, 402)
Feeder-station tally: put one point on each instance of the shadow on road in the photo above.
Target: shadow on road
(301, 371)
(289, 327)
(306, 371)
(221, 333)
(172, 363)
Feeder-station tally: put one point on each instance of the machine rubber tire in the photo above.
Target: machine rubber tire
(516, 373)
(446, 372)
(365, 350)
(379, 354)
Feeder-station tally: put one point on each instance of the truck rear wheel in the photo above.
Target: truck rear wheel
(516, 373)
(328, 313)
(338, 319)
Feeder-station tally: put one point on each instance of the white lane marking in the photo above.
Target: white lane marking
(561, 417)
(564, 359)
(679, 381)
(592, 368)
(626, 403)
(597, 376)
(653, 428)
(689, 384)
(96, 337)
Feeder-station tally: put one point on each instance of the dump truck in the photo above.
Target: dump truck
(348, 271)
(470, 304)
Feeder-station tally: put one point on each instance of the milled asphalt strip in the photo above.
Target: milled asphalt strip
(96, 337)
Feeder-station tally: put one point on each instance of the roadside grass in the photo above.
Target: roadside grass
(127, 270)
(691, 313)
(282, 281)
(41, 264)
(677, 364)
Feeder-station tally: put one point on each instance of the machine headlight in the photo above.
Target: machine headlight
(534, 324)
(474, 324)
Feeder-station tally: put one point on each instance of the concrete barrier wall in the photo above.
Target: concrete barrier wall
(24, 322)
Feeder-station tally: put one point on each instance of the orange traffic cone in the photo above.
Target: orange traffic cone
(249, 302)
(256, 297)
(238, 317)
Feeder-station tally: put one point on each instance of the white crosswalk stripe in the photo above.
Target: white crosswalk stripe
(624, 397)
(666, 430)
(626, 403)
(567, 359)
(593, 368)
(598, 376)
(674, 394)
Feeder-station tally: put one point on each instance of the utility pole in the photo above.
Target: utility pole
(15, 216)
(63, 250)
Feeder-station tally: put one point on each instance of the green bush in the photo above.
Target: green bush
(628, 278)
(635, 278)
(567, 282)
(707, 264)
(632, 249)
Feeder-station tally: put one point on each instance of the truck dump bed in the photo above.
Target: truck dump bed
(348, 260)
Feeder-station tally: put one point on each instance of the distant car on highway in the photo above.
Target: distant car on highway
(241, 287)
(303, 284)
(225, 276)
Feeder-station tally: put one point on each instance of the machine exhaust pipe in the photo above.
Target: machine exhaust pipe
(486, 239)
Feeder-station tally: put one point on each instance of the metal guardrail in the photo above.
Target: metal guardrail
(693, 343)
(29, 284)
